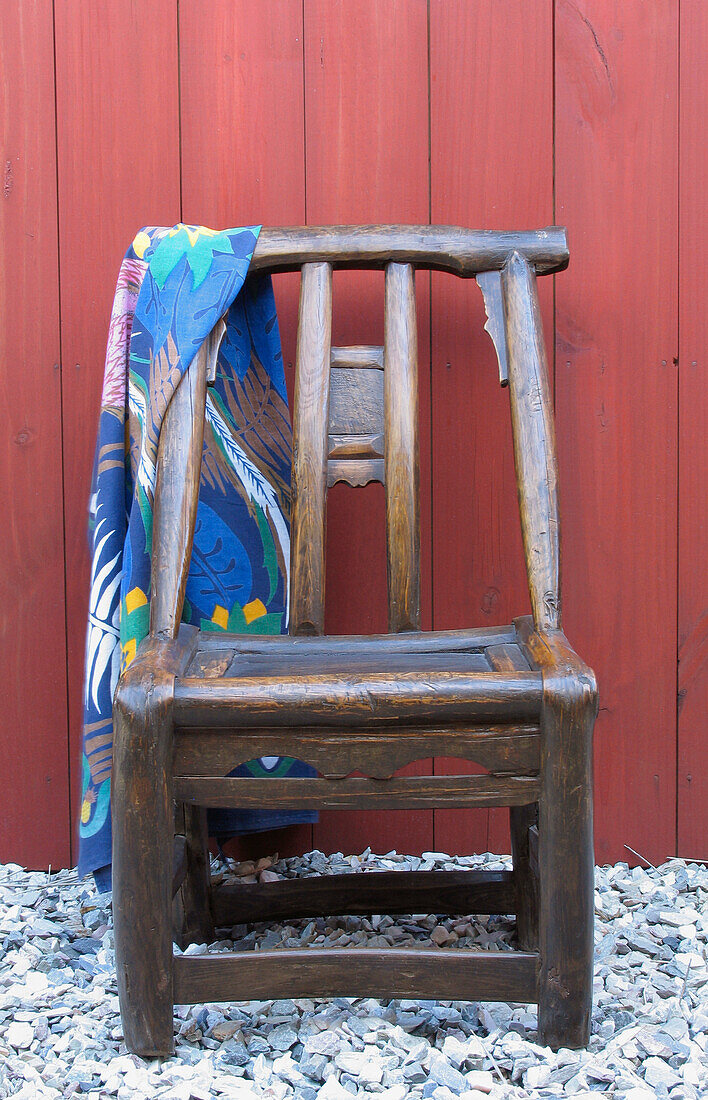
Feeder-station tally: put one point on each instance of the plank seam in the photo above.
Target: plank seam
(179, 112)
(304, 125)
(69, 761)
(677, 792)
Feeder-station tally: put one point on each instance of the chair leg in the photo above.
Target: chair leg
(197, 923)
(566, 862)
(143, 825)
(525, 878)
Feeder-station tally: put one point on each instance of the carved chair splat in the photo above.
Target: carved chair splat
(516, 700)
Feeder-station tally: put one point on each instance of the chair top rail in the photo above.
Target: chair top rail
(459, 251)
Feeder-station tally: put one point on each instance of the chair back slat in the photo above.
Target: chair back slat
(402, 476)
(356, 416)
(179, 464)
(534, 440)
(310, 450)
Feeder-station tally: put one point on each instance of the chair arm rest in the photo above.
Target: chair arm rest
(550, 652)
(160, 655)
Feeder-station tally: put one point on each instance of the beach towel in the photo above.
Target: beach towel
(174, 285)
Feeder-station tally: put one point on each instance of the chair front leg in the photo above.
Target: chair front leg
(566, 861)
(143, 829)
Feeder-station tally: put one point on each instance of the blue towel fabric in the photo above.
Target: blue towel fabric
(174, 285)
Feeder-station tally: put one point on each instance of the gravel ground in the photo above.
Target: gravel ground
(60, 1031)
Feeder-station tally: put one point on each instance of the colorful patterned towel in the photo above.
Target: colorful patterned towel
(173, 287)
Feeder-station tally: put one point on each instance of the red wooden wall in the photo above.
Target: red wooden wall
(590, 113)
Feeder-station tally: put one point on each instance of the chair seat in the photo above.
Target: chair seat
(422, 679)
(221, 656)
(358, 704)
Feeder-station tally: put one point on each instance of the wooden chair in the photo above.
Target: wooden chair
(516, 700)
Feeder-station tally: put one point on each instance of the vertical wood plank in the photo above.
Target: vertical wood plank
(242, 114)
(491, 68)
(616, 398)
(243, 163)
(366, 97)
(118, 149)
(693, 433)
(34, 789)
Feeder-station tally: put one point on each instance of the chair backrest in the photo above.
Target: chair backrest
(355, 410)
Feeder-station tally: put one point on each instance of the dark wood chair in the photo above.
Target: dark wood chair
(516, 700)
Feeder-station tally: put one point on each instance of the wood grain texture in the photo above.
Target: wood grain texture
(366, 127)
(491, 111)
(534, 440)
(356, 404)
(565, 841)
(111, 182)
(143, 828)
(506, 658)
(368, 356)
(453, 248)
(693, 432)
(243, 162)
(362, 972)
(356, 663)
(402, 458)
(489, 282)
(376, 753)
(356, 416)
(358, 645)
(616, 189)
(310, 449)
(34, 788)
(196, 924)
(410, 792)
(461, 892)
(342, 700)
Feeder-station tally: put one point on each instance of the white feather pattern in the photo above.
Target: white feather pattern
(146, 467)
(103, 640)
